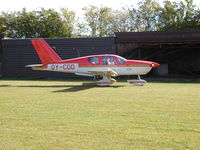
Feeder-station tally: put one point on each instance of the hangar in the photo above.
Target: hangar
(177, 52)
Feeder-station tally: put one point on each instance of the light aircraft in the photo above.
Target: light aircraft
(105, 65)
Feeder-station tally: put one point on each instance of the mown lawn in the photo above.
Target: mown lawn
(59, 115)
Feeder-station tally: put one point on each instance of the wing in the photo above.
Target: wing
(109, 72)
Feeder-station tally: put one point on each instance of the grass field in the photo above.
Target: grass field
(56, 115)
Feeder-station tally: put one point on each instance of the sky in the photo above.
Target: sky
(75, 5)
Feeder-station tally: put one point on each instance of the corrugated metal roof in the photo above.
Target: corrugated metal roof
(157, 37)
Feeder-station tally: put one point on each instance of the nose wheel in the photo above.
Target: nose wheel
(138, 82)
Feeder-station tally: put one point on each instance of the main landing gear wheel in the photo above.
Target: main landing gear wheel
(105, 81)
(138, 82)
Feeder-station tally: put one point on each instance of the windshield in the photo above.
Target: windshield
(121, 59)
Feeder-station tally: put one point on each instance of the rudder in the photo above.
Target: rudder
(46, 54)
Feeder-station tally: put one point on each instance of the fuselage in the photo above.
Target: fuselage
(105, 62)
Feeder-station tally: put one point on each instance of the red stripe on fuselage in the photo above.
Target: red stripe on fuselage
(80, 65)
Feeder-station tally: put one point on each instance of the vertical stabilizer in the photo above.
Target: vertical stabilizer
(45, 52)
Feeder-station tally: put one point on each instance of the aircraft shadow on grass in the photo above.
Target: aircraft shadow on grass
(67, 88)
(5, 85)
(75, 88)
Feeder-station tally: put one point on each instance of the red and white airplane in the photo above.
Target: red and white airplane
(106, 65)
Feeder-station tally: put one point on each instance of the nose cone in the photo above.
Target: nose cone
(142, 63)
(154, 64)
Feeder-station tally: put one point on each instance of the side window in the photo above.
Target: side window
(121, 59)
(93, 60)
(108, 60)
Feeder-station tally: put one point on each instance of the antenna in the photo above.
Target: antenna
(78, 52)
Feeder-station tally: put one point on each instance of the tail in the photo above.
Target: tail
(45, 52)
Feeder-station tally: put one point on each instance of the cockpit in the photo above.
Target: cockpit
(106, 60)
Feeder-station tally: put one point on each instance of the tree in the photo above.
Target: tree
(178, 16)
(135, 22)
(51, 24)
(104, 21)
(101, 21)
(91, 17)
(42, 23)
(98, 20)
(147, 15)
(2, 24)
(20, 24)
(69, 19)
(123, 21)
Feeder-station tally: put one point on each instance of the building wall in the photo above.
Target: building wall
(1, 54)
(20, 52)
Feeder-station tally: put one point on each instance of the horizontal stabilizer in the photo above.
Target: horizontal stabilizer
(34, 65)
(37, 66)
